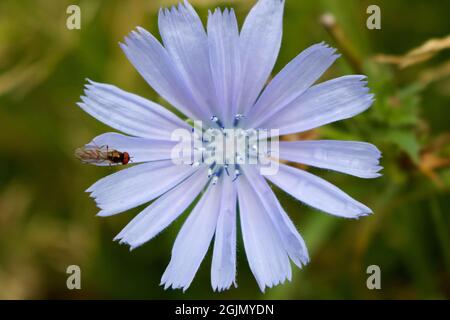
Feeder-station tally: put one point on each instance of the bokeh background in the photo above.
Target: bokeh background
(48, 222)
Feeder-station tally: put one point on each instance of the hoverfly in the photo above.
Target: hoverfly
(101, 155)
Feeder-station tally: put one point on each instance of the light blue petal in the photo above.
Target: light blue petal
(139, 149)
(292, 241)
(137, 185)
(163, 211)
(323, 103)
(223, 267)
(128, 112)
(223, 39)
(264, 248)
(157, 67)
(260, 44)
(317, 192)
(186, 42)
(356, 158)
(292, 81)
(193, 240)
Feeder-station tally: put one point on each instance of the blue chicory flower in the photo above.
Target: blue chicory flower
(219, 76)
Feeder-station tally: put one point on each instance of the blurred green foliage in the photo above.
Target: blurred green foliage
(47, 222)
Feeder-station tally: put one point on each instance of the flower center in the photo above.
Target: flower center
(224, 150)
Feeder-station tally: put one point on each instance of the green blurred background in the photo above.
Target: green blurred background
(48, 222)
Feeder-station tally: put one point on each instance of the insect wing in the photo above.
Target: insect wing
(93, 155)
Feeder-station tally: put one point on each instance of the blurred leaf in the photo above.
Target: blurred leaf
(406, 141)
(446, 177)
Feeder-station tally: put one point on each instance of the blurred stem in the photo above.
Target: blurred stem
(328, 20)
(442, 235)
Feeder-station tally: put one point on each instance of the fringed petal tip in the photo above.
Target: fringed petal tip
(364, 214)
(303, 260)
(171, 286)
(126, 242)
(133, 35)
(264, 286)
(104, 213)
(182, 5)
(223, 287)
(171, 283)
(88, 89)
(332, 51)
(363, 211)
(299, 264)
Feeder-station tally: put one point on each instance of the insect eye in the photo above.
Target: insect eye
(126, 158)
